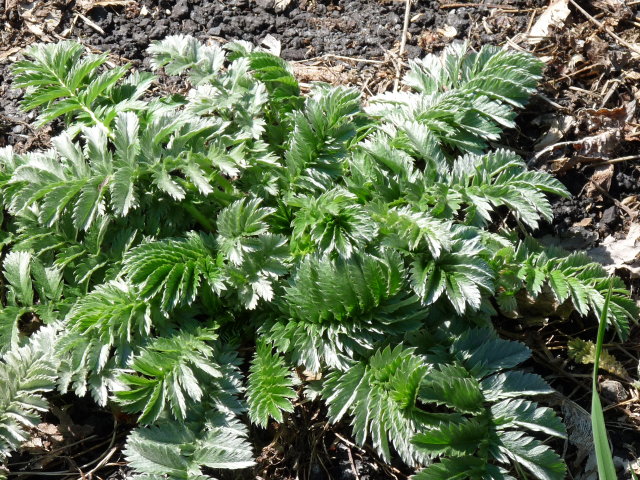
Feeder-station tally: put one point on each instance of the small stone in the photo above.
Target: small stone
(181, 10)
(189, 26)
(613, 390)
(610, 216)
(157, 32)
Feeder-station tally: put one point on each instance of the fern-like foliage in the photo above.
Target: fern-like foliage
(180, 52)
(173, 269)
(179, 451)
(61, 79)
(174, 372)
(338, 309)
(32, 290)
(103, 329)
(26, 373)
(461, 273)
(531, 271)
(463, 98)
(315, 157)
(488, 426)
(269, 390)
(238, 224)
(332, 222)
(388, 385)
(193, 252)
(483, 183)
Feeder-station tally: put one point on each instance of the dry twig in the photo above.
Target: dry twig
(403, 42)
(353, 464)
(602, 26)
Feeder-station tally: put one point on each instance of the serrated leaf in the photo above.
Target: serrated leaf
(454, 438)
(514, 384)
(522, 413)
(539, 459)
(269, 391)
(452, 386)
(173, 269)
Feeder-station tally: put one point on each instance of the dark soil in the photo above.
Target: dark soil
(367, 29)
(586, 69)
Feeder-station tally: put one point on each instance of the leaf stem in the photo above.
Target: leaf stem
(199, 217)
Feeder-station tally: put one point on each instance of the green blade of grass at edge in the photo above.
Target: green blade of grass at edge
(604, 457)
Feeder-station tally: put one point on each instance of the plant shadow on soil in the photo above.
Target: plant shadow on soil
(309, 31)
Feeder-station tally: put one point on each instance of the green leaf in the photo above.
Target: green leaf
(123, 192)
(523, 413)
(482, 352)
(181, 450)
(333, 222)
(17, 271)
(389, 386)
(26, 374)
(319, 137)
(453, 438)
(172, 270)
(269, 392)
(174, 373)
(514, 384)
(604, 457)
(539, 459)
(238, 221)
(459, 468)
(452, 386)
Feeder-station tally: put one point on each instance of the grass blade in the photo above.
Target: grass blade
(606, 469)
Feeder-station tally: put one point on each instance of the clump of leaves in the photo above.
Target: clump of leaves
(159, 234)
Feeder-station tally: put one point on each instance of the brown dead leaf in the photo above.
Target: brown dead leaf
(620, 254)
(607, 129)
(8, 52)
(601, 177)
(600, 146)
(558, 126)
(44, 437)
(11, 4)
(562, 164)
(605, 117)
(333, 74)
(427, 38)
(543, 306)
(40, 17)
(597, 50)
(553, 17)
(632, 75)
(630, 201)
(615, 11)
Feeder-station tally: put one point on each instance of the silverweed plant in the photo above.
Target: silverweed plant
(359, 243)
